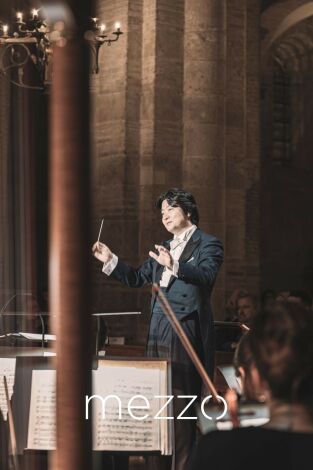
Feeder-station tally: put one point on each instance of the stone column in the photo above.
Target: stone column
(242, 154)
(161, 136)
(161, 109)
(116, 134)
(220, 154)
(203, 157)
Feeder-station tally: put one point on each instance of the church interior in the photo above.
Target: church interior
(104, 106)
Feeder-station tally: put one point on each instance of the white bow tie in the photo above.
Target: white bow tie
(176, 242)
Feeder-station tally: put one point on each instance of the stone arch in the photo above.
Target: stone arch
(299, 14)
(286, 183)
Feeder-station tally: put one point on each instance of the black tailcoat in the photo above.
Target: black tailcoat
(189, 293)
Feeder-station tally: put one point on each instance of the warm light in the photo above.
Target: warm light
(35, 30)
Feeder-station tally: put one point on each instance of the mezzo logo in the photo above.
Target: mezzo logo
(133, 407)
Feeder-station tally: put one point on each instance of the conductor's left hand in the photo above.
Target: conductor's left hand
(163, 257)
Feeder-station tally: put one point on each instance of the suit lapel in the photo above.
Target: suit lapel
(189, 248)
(192, 243)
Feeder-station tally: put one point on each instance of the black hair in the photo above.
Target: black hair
(246, 295)
(303, 295)
(281, 342)
(179, 198)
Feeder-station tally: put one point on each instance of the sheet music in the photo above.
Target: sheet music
(127, 433)
(42, 420)
(37, 336)
(229, 375)
(114, 314)
(7, 368)
(110, 433)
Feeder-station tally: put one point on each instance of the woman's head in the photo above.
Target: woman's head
(281, 343)
(246, 371)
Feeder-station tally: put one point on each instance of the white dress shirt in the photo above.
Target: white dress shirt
(177, 246)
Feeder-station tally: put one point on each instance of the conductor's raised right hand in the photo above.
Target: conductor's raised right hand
(102, 252)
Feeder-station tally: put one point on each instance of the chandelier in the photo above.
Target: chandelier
(26, 47)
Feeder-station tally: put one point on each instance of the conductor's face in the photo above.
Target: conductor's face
(174, 219)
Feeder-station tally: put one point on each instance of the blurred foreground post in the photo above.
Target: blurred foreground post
(69, 251)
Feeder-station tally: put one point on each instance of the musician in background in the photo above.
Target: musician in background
(281, 343)
(185, 267)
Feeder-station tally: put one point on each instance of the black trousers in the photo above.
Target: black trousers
(164, 343)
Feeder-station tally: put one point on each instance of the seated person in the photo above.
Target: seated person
(301, 297)
(246, 309)
(226, 339)
(244, 364)
(281, 343)
(231, 304)
(282, 296)
(250, 388)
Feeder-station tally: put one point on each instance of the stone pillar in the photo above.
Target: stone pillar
(221, 137)
(203, 157)
(242, 167)
(161, 136)
(116, 137)
(161, 110)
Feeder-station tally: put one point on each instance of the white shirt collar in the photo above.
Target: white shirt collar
(184, 236)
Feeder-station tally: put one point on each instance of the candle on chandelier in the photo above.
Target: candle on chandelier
(117, 26)
(35, 13)
(5, 29)
(102, 28)
(19, 16)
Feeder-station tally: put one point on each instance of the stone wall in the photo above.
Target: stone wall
(287, 165)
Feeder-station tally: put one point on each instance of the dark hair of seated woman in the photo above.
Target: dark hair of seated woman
(279, 347)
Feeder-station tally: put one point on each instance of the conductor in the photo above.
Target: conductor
(185, 267)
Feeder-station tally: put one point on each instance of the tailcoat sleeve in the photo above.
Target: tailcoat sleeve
(134, 277)
(209, 261)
